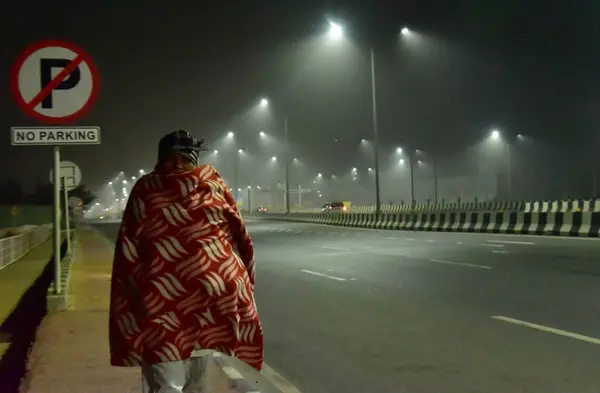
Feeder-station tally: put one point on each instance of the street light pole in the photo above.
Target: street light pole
(375, 135)
(412, 177)
(435, 182)
(508, 170)
(287, 166)
(236, 175)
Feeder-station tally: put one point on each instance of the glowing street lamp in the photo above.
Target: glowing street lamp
(335, 31)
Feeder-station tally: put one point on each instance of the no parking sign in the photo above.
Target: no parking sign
(55, 82)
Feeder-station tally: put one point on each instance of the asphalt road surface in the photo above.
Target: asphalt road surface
(355, 310)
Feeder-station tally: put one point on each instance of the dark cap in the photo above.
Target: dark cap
(182, 143)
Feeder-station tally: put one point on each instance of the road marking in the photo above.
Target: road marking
(548, 329)
(273, 376)
(323, 275)
(499, 252)
(491, 245)
(326, 254)
(409, 239)
(336, 248)
(430, 240)
(391, 238)
(459, 264)
(511, 242)
(459, 242)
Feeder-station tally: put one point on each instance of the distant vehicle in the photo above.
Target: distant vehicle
(261, 209)
(334, 207)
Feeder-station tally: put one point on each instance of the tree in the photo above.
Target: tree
(84, 194)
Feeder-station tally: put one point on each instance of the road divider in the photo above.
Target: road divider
(572, 224)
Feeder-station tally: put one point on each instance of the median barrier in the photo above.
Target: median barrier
(568, 205)
(582, 224)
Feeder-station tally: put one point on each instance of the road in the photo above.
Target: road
(355, 310)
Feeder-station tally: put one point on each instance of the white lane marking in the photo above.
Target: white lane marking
(326, 254)
(391, 238)
(459, 264)
(491, 245)
(409, 239)
(336, 248)
(511, 242)
(430, 240)
(459, 242)
(323, 275)
(499, 252)
(278, 380)
(547, 329)
(273, 376)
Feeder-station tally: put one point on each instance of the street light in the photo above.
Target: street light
(273, 158)
(262, 134)
(110, 183)
(240, 151)
(405, 31)
(495, 136)
(336, 32)
(230, 134)
(264, 102)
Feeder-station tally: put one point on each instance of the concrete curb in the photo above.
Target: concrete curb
(61, 302)
(571, 224)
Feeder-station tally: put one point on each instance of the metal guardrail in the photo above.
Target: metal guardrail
(14, 247)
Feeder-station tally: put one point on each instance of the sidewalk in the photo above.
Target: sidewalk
(71, 351)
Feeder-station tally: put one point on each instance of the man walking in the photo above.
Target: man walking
(183, 274)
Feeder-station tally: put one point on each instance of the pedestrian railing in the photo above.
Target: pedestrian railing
(12, 248)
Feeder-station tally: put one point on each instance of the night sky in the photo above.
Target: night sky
(524, 67)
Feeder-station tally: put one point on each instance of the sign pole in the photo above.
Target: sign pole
(67, 218)
(56, 222)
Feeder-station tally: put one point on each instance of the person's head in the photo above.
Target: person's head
(179, 150)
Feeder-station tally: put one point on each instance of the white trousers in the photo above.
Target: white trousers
(182, 376)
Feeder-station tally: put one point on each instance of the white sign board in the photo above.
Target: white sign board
(71, 172)
(55, 136)
(55, 82)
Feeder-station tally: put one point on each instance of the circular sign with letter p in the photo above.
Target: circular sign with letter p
(55, 82)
